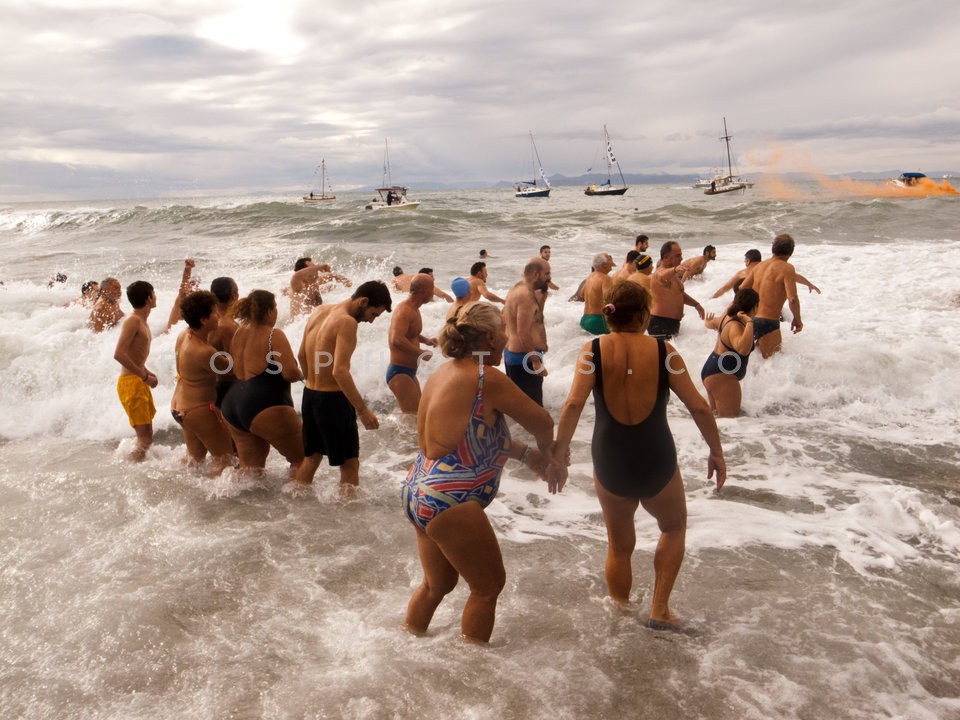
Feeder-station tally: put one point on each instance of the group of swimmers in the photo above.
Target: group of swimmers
(233, 400)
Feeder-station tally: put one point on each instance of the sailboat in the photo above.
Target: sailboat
(608, 188)
(530, 188)
(313, 198)
(391, 197)
(729, 182)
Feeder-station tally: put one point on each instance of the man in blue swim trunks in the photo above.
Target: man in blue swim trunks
(776, 282)
(332, 404)
(406, 330)
(526, 332)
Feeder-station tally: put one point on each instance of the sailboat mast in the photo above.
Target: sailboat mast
(611, 157)
(726, 138)
(386, 163)
(537, 156)
(323, 177)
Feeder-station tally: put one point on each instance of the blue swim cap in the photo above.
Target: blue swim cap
(460, 287)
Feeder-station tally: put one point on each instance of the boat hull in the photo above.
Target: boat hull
(316, 199)
(408, 205)
(605, 191)
(720, 189)
(533, 193)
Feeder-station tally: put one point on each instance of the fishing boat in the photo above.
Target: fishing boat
(729, 182)
(530, 188)
(316, 198)
(608, 188)
(390, 196)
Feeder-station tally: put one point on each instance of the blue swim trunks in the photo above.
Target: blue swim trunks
(394, 370)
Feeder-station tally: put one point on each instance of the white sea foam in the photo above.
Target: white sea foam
(820, 582)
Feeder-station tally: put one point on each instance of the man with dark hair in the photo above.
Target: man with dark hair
(478, 284)
(227, 293)
(106, 311)
(402, 282)
(667, 294)
(694, 267)
(406, 334)
(776, 282)
(135, 381)
(545, 253)
(641, 244)
(526, 332)
(628, 268)
(331, 401)
(307, 282)
(750, 258)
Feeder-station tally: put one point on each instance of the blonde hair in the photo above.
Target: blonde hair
(469, 330)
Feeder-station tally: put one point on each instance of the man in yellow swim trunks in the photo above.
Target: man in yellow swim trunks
(135, 381)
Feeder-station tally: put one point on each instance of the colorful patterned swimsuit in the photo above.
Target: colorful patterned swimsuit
(470, 472)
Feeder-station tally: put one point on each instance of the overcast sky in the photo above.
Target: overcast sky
(127, 98)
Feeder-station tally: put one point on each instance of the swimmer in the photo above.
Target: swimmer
(464, 444)
(726, 366)
(331, 401)
(405, 337)
(526, 331)
(478, 284)
(667, 294)
(106, 311)
(776, 282)
(135, 381)
(634, 457)
(596, 286)
(198, 367)
(258, 406)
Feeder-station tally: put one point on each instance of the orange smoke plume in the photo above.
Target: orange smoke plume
(776, 158)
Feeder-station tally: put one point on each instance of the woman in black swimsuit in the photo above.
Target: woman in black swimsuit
(727, 364)
(258, 407)
(634, 458)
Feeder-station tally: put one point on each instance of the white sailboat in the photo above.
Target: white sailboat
(530, 188)
(315, 198)
(729, 182)
(390, 196)
(608, 188)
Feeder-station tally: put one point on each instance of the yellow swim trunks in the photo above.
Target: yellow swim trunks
(137, 400)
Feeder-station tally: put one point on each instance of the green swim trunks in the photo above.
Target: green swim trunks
(594, 324)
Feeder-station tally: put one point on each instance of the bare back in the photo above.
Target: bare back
(255, 350)
(594, 289)
(775, 280)
(337, 333)
(631, 373)
(312, 361)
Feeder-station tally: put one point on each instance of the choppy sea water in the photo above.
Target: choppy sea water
(822, 581)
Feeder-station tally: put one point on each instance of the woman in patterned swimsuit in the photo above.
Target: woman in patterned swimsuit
(464, 443)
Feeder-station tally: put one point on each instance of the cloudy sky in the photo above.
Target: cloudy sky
(129, 98)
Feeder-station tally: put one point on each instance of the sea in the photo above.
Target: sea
(823, 581)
